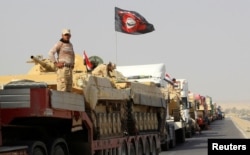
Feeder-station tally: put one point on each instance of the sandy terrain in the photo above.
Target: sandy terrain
(236, 105)
(242, 124)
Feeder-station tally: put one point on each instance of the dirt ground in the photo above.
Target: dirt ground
(243, 125)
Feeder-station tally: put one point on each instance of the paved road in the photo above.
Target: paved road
(197, 145)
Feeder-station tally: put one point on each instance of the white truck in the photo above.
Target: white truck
(155, 73)
(182, 87)
(145, 73)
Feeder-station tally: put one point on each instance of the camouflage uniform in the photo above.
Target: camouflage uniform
(102, 71)
(66, 55)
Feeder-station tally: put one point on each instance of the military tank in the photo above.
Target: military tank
(174, 102)
(116, 107)
(130, 108)
(44, 70)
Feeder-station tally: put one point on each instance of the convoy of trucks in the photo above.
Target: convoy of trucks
(138, 113)
(175, 119)
(203, 109)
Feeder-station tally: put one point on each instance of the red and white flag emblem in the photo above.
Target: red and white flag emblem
(131, 22)
(87, 62)
(168, 78)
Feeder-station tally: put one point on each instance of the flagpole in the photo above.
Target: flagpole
(116, 54)
(116, 48)
(116, 57)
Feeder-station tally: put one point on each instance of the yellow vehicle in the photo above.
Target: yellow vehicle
(100, 115)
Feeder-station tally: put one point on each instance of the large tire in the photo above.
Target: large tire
(188, 134)
(38, 151)
(132, 149)
(172, 143)
(147, 148)
(140, 148)
(115, 151)
(58, 150)
(193, 130)
(154, 149)
(37, 148)
(59, 147)
(165, 146)
(124, 149)
(180, 135)
(183, 137)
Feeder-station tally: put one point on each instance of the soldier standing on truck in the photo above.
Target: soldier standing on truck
(64, 62)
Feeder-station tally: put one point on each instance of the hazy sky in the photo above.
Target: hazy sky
(206, 42)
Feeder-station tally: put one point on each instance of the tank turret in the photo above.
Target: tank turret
(44, 70)
(123, 107)
(46, 66)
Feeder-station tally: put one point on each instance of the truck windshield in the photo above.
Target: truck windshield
(184, 102)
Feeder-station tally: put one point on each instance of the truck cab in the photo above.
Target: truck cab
(201, 111)
(182, 86)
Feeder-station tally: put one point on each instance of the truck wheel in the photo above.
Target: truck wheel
(140, 148)
(37, 148)
(188, 134)
(147, 148)
(59, 147)
(193, 131)
(172, 143)
(180, 135)
(115, 151)
(154, 150)
(132, 149)
(165, 146)
(183, 137)
(124, 150)
(38, 151)
(58, 150)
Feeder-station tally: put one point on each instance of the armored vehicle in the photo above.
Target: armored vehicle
(99, 116)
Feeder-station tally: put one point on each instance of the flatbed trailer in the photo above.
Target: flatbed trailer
(42, 121)
(13, 150)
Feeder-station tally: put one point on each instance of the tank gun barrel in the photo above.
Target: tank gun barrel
(46, 66)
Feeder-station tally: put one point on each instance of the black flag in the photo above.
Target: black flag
(131, 22)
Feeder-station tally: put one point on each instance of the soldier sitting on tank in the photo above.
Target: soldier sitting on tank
(105, 70)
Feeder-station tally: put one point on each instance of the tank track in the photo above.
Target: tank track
(109, 119)
(124, 119)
